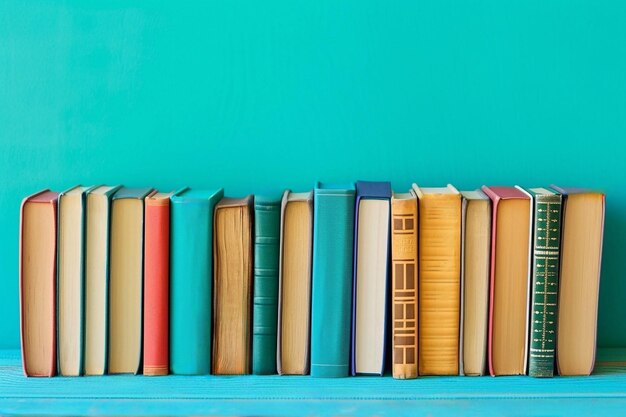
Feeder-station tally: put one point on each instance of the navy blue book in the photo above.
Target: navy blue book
(370, 285)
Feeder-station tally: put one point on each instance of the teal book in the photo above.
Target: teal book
(331, 306)
(265, 302)
(96, 304)
(70, 280)
(191, 277)
(545, 281)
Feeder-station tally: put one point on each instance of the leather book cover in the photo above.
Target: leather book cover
(333, 240)
(404, 267)
(373, 190)
(38, 333)
(156, 284)
(265, 300)
(191, 280)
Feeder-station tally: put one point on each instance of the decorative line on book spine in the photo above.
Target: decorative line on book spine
(545, 287)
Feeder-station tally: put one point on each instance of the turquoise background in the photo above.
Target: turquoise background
(254, 96)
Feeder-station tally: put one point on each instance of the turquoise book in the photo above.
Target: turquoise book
(331, 305)
(191, 277)
(265, 303)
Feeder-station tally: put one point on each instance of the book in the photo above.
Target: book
(233, 227)
(37, 282)
(439, 279)
(333, 239)
(70, 280)
(546, 240)
(156, 281)
(370, 277)
(294, 306)
(97, 225)
(191, 280)
(265, 300)
(475, 254)
(126, 280)
(509, 280)
(404, 223)
(579, 280)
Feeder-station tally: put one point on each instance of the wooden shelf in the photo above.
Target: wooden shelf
(278, 396)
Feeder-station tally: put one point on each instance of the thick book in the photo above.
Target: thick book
(126, 280)
(509, 291)
(579, 279)
(70, 280)
(475, 267)
(156, 281)
(545, 281)
(191, 280)
(294, 305)
(265, 300)
(370, 277)
(439, 279)
(233, 227)
(404, 231)
(97, 226)
(333, 239)
(37, 281)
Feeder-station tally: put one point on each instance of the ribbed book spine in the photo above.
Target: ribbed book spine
(546, 250)
(404, 287)
(265, 303)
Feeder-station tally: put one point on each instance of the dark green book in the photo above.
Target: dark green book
(265, 309)
(545, 281)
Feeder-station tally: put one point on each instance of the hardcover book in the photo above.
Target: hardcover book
(370, 281)
(232, 305)
(38, 251)
(579, 280)
(439, 279)
(475, 254)
(509, 280)
(333, 239)
(545, 281)
(404, 222)
(97, 277)
(156, 284)
(70, 280)
(266, 261)
(191, 280)
(126, 263)
(296, 243)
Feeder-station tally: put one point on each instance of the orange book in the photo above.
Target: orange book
(439, 279)
(156, 284)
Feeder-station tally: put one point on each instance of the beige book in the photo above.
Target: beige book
(294, 299)
(475, 255)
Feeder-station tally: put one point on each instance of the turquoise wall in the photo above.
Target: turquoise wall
(266, 95)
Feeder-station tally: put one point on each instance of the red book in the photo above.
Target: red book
(510, 280)
(156, 284)
(38, 250)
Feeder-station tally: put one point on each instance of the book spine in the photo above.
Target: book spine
(439, 284)
(546, 250)
(191, 287)
(156, 288)
(333, 235)
(265, 302)
(404, 288)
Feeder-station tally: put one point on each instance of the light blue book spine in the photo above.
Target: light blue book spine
(333, 239)
(191, 275)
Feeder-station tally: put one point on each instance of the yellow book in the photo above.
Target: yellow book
(439, 279)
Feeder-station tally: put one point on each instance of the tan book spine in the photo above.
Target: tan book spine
(404, 290)
(439, 283)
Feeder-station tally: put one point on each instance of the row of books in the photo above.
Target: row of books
(328, 283)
